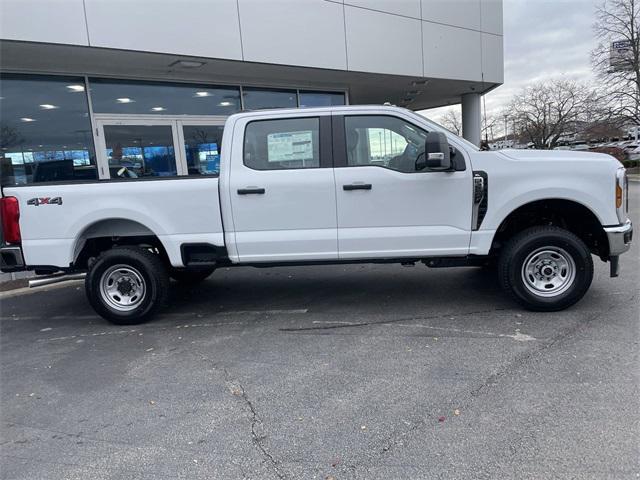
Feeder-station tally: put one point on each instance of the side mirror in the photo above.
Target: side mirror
(438, 155)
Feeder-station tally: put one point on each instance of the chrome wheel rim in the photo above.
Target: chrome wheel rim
(122, 288)
(548, 271)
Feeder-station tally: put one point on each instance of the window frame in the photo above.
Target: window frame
(325, 150)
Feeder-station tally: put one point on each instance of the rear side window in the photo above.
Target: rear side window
(45, 132)
(282, 144)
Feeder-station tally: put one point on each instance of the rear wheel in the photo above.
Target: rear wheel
(190, 277)
(546, 268)
(127, 285)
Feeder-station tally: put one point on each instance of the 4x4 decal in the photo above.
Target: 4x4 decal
(45, 201)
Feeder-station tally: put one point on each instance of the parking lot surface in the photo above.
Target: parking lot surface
(365, 371)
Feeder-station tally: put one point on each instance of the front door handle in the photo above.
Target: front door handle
(251, 191)
(357, 186)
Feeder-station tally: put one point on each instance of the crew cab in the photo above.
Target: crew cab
(328, 185)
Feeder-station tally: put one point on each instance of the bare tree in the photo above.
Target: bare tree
(545, 112)
(451, 121)
(489, 122)
(619, 21)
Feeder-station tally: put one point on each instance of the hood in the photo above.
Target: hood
(558, 155)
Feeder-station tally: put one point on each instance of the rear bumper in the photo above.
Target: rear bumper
(11, 259)
(619, 237)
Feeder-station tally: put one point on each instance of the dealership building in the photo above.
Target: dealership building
(93, 82)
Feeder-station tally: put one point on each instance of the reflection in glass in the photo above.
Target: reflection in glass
(136, 151)
(45, 132)
(261, 98)
(116, 96)
(202, 148)
(321, 99)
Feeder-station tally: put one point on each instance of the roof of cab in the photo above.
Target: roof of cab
(307, 110)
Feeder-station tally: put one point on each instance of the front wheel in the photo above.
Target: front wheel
(546, 268)
(127, 285)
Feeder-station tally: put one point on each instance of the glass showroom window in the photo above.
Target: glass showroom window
(261, 98)
(45, 131)
(119, 96)
(320, 99)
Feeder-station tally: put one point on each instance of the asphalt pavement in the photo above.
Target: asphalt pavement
(326, 372)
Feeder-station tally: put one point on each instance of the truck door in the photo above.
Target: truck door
(282, 190)
(386, 208)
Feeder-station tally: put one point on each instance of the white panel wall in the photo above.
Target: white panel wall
(492, 58)
(452, 52)
(461, 13)
(457, 39)
(408, 8)
(199, 27)
(304, 32)
(379, 42)
(52, 21)
(491, 11)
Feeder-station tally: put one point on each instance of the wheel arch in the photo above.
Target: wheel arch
(106, 233)
(565, 213)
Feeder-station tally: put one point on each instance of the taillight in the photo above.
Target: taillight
(10, 216)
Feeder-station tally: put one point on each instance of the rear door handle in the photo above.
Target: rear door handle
(251, 191)
(357, 186)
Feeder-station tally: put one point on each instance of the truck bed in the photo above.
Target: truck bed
(56, 219)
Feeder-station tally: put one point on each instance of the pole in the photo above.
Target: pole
(506, 131)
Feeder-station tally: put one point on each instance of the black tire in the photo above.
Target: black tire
(144, 268)
(190, 277)
(535, 248)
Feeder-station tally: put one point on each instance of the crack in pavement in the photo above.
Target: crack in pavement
(238, 390)
(383, 322)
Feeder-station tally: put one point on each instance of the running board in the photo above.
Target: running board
(41, 282)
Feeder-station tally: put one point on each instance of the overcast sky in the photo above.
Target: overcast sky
(543, 39)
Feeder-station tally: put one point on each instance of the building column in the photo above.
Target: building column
(471, 118)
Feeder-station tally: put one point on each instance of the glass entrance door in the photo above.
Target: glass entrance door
(201, 147)
(137, 151)
(142, 147)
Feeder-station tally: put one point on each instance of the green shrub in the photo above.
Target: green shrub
(631, 163)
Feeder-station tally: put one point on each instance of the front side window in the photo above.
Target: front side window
(383, 141)
(45, 131)
(282, 144)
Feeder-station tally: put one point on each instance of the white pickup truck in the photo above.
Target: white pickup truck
(322, 185)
